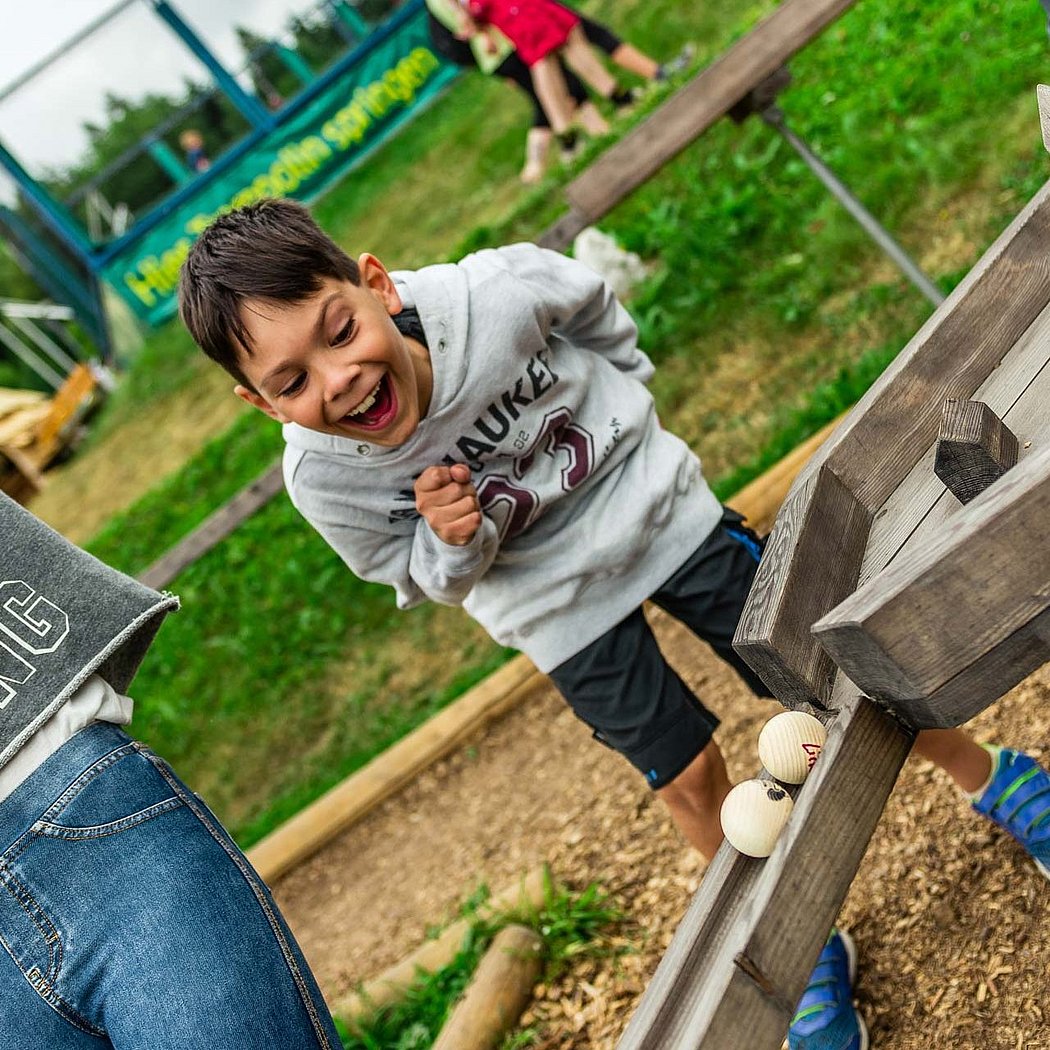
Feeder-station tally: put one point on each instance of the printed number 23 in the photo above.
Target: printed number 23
(514, 506)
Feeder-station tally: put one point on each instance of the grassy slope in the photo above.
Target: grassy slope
(768, 311)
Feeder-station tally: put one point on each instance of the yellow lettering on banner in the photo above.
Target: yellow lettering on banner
(158, 275)
(154, 277)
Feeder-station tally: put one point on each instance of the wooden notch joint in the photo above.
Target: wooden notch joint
(974, 448)
(748, 966)
(762, 96)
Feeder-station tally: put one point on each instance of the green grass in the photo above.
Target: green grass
(572, 925)
(768, 313)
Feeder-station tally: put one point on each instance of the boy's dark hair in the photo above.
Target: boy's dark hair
(271, 250)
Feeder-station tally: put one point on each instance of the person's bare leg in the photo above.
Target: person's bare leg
(585, 64)
(628, 57)
(695, 798)
(537, 148)
(589, 117)
(964, 760)
(553, 93)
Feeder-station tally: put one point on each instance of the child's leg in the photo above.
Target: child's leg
(628, 57)
(580, 56)
(695, 798)
(622, 687)
(537, 147)
(964, 760)
(590, 119)
(553, 94)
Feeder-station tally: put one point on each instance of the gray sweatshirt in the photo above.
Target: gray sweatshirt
(589, 505)
(64, 616)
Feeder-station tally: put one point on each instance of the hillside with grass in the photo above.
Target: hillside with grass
(767, 311)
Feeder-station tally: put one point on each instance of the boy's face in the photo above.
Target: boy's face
(336, 363)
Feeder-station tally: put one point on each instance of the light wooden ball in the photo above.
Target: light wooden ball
(790, 743)
(753, 815)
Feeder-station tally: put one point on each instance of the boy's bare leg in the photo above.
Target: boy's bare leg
(964, 760)
(695, 797)
(553, 93)
(581, 57)
(628, 57)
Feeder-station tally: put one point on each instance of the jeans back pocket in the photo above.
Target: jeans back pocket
(118, 792)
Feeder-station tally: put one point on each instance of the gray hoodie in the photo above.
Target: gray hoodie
(589, 505)
(63, 617)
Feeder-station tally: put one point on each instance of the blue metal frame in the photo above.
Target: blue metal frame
(60, 221)
(96, 257)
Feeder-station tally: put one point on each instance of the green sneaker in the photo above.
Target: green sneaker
(1017, 798)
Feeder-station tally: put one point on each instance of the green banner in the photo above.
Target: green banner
(318, 144)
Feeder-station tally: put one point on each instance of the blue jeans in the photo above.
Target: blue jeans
(129, 919)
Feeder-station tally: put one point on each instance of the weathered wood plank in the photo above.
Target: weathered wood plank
(692, 110)
(742, 954)
(562, 233)
(974, 448)
(810, 564)
(940, 611)
(889, 429)
(214, 528)
(919, 507)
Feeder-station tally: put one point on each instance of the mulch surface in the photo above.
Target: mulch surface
(949, 916)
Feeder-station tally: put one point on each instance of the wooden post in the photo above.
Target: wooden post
(974, 448)
(497, 995)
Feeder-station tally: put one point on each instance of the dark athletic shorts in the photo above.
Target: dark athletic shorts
(625, 690)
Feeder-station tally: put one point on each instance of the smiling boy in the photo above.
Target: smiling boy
(480, 434)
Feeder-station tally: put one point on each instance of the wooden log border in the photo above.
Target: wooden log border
(499, 991)
(526, 894)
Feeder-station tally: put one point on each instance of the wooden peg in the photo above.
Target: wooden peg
(974, 448)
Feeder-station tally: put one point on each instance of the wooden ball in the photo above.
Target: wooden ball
(753, 815)
(790, 743)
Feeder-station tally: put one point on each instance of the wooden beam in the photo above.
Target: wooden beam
(919, 506)
(497, 994)
(216, 527)
(974, 448)
(924, 636)
(810, 564)
(562, 233)
(741, 957)
(695, 107)
(33, 480)
(525, 895)
(950, 356)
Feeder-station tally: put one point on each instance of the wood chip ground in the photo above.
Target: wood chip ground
(950, 917)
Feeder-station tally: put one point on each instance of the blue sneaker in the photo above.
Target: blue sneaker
(826, 1018)
(1017, 798)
